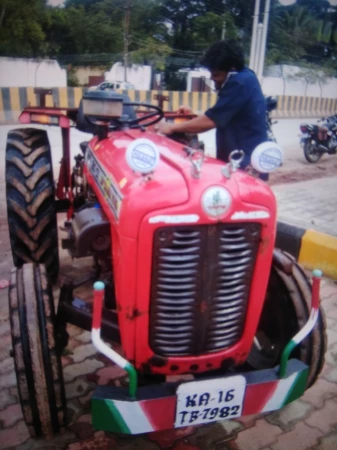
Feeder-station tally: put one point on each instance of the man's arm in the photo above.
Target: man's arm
(197, 125)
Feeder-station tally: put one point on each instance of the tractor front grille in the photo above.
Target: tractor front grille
(201, 277)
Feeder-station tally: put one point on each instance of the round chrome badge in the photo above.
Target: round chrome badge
(216, 201)
(142, 155)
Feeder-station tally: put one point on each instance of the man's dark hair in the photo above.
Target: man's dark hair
(225, 56)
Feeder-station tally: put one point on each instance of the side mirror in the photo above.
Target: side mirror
(267, 157)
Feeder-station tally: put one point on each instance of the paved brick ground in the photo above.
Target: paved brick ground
(308, 423)
(309, 204)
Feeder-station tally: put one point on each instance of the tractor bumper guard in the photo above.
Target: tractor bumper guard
(172, 405)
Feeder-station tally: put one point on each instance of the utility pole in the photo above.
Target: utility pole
(126, 37)
(264, 40)
(253, 52)
(223, 32)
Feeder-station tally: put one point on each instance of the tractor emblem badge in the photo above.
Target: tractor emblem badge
(216, 201)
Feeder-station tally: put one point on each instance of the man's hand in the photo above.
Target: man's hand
(165, 128)
(197, 125)
(185, 110)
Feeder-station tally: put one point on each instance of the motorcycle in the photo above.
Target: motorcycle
(319, 139)
(271, 104)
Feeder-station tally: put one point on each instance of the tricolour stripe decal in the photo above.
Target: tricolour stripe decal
(280, 394)
(298, 388)
(257, 396)
(160, 413)
(105, 416)
(133, 416)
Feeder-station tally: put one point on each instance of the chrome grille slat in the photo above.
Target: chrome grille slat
(179, 251)
(200, 286)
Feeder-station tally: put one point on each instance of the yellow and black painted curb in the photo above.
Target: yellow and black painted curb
(13, 100)
(312, 249)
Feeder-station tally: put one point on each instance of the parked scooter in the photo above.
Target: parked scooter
(319, 139)
(271, 104)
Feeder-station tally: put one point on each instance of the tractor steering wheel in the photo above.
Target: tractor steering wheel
(138, 122)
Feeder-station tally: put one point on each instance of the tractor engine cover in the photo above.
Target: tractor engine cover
(89, 233)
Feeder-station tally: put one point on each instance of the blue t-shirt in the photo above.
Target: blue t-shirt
(239, 115)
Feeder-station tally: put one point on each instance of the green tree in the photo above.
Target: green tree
(22, 28)
(292, 32)
(209, 28)
(312, 74)
(151, 52)
(80, 32)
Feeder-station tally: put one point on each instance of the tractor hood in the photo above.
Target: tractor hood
(127, 196)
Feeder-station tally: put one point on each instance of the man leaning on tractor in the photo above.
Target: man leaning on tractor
(239, 115)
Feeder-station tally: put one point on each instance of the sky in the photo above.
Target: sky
(55, 2)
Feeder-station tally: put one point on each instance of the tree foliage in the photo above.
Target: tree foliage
(22, 26)
(174, 32)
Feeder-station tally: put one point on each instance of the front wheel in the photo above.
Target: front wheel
(285, 312)
(37, 363)
(310, 153)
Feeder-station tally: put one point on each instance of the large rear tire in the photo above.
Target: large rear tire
(309, 152)
(286, 310)
(30, 196)
(37, 364)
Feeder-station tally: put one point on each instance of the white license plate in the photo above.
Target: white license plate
(210, 400)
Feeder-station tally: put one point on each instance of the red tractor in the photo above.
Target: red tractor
(186, 276)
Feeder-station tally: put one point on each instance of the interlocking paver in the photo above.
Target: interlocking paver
(326, 418)
(294, 205)
(82, 427)
(328, 442)
(78, 388)
(261, 435)
(6, 398)
(13, 436)
(332, 337)
(322, 390)
(82, 352)
(212, 435)
(247, 421)
(6, 345)
(331, 374)
(10, 415)
(109, 373)
(289, 415)
(331, 354)
(84, 337)
(302, 437)
(58, 442)
(6, 365)
(167, 438)
(89, 365)
(8, 380)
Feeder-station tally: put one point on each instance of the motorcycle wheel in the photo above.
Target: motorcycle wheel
(309, 152)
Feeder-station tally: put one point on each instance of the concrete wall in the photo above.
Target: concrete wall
(13, 100)
(23, 72)
(278, 82)
(83, 73)
(139, 76)
(200, 73)
(279, 86)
